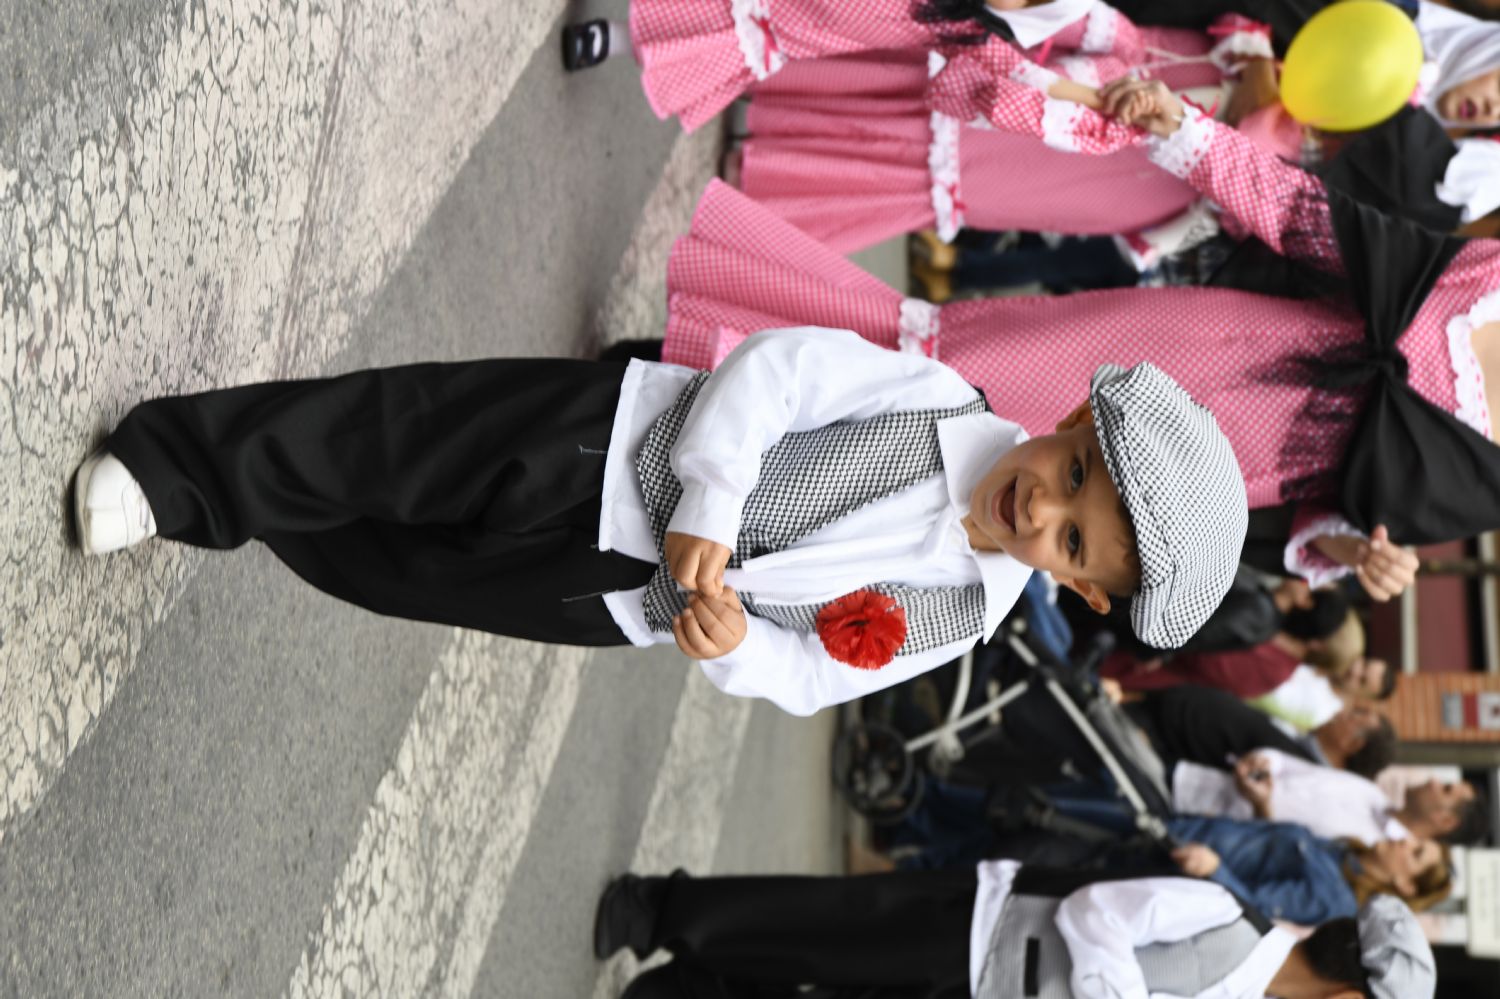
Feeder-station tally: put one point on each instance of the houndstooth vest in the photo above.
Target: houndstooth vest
(808, 480)
(1028, 958)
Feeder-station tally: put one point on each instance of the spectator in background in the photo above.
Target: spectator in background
(1332, 803)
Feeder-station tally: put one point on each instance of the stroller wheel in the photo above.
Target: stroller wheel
(875, 773)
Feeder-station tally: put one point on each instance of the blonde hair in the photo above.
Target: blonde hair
(1339, 651)
(1432, 885)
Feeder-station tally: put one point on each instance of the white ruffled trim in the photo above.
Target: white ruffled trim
(918, 329)
(1099, 31)
(1194, 225)
(1246, 44)
(942, 163)
(1080, 69)
(1313, 566)
(1034, 76)
(752, 39)
(1179, 152)
(1468, 376)
(1060, 123)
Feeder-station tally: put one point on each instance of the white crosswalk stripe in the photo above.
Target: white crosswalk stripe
(419, 896)
(267, 172)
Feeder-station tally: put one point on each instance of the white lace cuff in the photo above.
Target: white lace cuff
(1468, 377)
(1099, 31)
(1034, 76)
(1302, 559)
(1080, 69)
(1145, 248)
(752, 26)
(1240, 45)
(918, 329)
(1179, 152)
(1060, 120)
(942, 164)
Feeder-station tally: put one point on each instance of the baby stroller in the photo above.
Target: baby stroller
(882, 771)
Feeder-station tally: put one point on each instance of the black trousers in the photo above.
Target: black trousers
(880, 936)
(466, 494)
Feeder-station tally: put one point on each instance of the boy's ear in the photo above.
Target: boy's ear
(1083, 414)
(1096, 596)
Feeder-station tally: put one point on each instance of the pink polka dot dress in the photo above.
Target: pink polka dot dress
(741, 268)
(849, 149)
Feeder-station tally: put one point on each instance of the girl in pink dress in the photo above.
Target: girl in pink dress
(851, 151)
(845, 143)
(1246, 356)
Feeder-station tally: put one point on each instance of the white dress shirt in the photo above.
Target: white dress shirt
(1333, 803)
(1305, 700)
(1104, 924)
(1034, 25)
(784, 381)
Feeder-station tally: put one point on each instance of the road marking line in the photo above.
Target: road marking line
(424, 884)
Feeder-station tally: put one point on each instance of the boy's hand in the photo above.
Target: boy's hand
(1145, 104)
(696, 563)
(1257, 88)
(1384, 568)
(1196, 860)
(1252, 779)
(711, 626)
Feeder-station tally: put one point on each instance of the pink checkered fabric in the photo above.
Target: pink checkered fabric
(692, 63)
(741, 268)
(977, 83)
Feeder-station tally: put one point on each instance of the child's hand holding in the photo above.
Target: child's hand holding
(1383, 567)
(696, 563)
(1145, 104)
(711, 626)
(1196, 860)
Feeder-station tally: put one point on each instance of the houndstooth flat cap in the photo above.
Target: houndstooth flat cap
(1183, 490)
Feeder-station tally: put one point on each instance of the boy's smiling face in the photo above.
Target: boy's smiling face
(1051, 504)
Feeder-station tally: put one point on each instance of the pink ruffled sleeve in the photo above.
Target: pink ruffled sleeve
(1283, 205)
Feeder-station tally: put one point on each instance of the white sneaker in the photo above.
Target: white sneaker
(112, 511)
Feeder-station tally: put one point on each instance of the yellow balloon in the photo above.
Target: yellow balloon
(1353, 65)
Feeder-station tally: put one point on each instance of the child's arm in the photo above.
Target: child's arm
(995, 82)
(779, 382)
(1284, 206)
(1104, 923)
(1324, 547)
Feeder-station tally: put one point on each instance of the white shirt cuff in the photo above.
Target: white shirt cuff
(708, 512)
(1181, 151)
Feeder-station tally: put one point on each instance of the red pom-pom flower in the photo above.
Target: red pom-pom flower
(863, 629)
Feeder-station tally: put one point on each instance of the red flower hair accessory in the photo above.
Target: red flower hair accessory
(863, 629)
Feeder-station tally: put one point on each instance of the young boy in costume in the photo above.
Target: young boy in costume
(1005, 931)
(838, 517)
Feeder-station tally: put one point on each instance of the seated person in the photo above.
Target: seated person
(1310, 696)
(1334, 649)
(1004, 930)
(1212, 727)
(1338, 804)
(1290, 874)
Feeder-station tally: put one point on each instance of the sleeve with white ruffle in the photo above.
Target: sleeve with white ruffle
(1302, 557)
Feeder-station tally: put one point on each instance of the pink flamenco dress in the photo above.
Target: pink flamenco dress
(697, 57)
(741, 268)
(850, 149)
